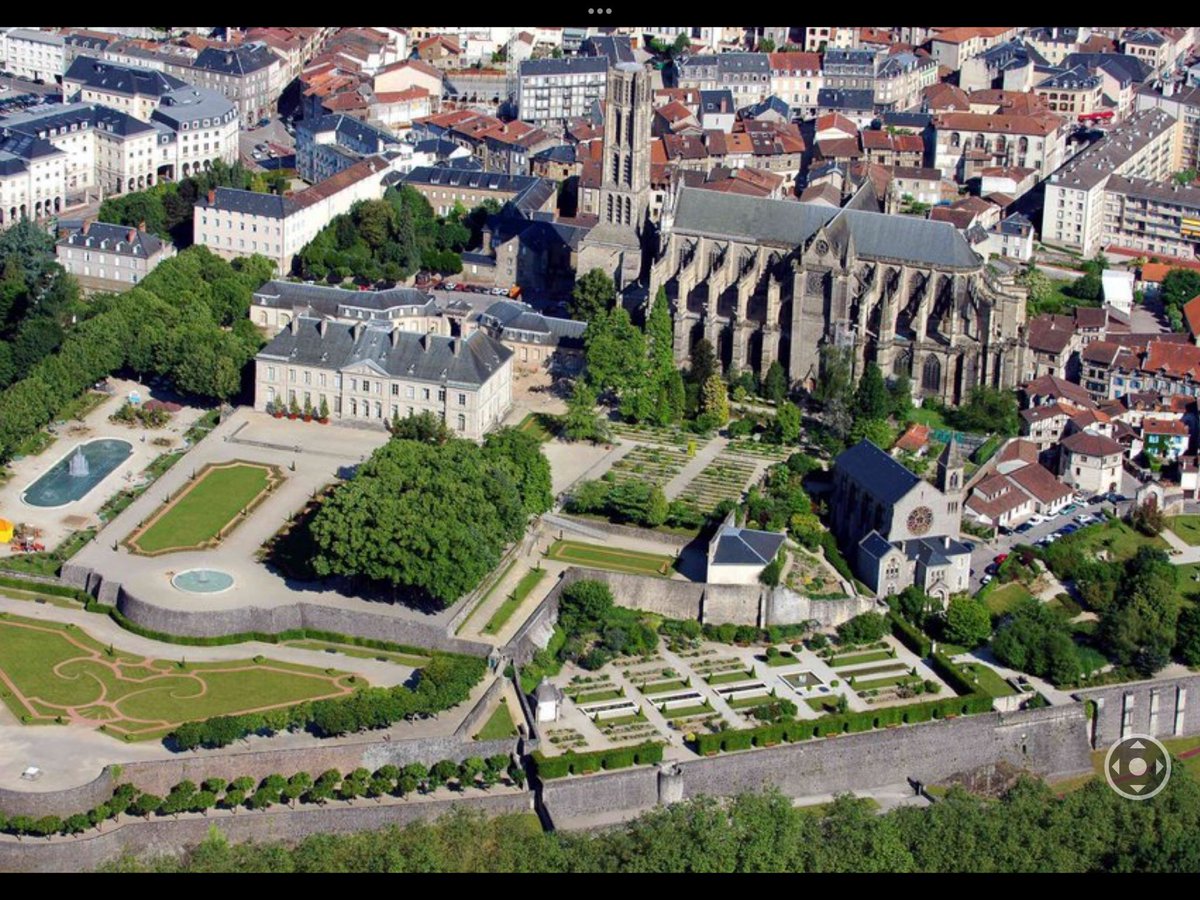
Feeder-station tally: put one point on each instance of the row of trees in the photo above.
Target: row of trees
(37, 300)
(443, 683)
(187, 321)
(166, 208)
(1030, 829)
(432, 518)
(390, 239)
(300, 788)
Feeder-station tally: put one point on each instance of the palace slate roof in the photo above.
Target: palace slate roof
(102, 75)
(323, 300)
(322, 344)
(746, 546)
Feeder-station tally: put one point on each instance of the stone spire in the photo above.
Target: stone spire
(950, 467)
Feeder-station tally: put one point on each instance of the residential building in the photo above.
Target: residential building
(1165, 438)
(966, 143)
(851, 70)
(1154, 217)
(32, 179)
(717, 112)
(953, 47)
(820, 39)
(235, 223)
(1183, 104)
(551, 91)
(107, 257)
(367, 373)
(1072, 93)
(899, 529)
(796, 78)
(1145, 146)
(445, 188)
(1017, 491)
(135, 91)
(746, 75)
(397, 110)
(330, 144)
(251, 75)
(893, 148)
(537, 341)
(1091, 462)
(34, 54)
(1011, 238)
(900, 80)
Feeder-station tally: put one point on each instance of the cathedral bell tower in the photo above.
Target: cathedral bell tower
(615, 244)
(950, 469)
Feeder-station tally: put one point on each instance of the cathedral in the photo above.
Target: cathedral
(766, 280)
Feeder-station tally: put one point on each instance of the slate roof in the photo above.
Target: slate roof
(39, 122)
(745, 546)
(934, 551)
(879, 236)
(510, 316)
(241, 60)
(568, 65)
(252, 203)
(469, 361)
(837, 98)
(187, 104)
(616, 48)
(348, 127)
(115, 239)
(102, 75)
(875, 546)
(876, 472)
(336, 302)
(780, 222)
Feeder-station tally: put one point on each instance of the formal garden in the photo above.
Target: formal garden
(614, 559)
(57, 673)
(202, 514)
(725, 478)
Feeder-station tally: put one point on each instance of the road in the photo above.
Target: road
(21, 86)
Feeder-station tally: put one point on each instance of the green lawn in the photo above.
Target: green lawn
(541, 425)
(822, 809)
(616, 560)
(511, 603)
(1187, 527)
(498, 726)
(208, 505)
(661, 687)
(888, 681)
(729, 677)
(990, 681)
(822, 704)
(856, 658)
(599, 696)
(685, 711)
(1119, 539)
(59, 671)
(931, 417)
(895, 666)
(484, 599)
(1004, 598)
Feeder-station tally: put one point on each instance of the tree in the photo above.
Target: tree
(615, 352)
(592, 296)
(987, 410)
(1178, 287)
(775, 385)
(1035, 639)
(147, 804)
(681, 45)
(901, 397)
(714, 402)
(968, 621)
(702, 362)
(1039, 287)
(788, 423)
(1147, 517)
(1187, 635)
(863, 628)
(1087, 287)
(1139, 628)
(766, 45)
(871, 397)
(914, 604)
(582, 423)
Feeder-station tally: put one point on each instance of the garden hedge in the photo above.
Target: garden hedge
(909, 636)
(572, 763)
(841, 723)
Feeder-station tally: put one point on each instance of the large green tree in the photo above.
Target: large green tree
(592, 296)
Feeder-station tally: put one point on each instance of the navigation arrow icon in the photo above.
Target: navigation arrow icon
(1116, 766)
(1137, 788)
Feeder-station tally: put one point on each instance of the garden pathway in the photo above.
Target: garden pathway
(695, 466)
(1182, 553)
(1047, 690)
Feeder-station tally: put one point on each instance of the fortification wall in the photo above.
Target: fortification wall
(1157, 708)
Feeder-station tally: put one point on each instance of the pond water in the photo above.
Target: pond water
(203, 581)
(78, 472)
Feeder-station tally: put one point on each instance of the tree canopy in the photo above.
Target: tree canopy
(432, 518)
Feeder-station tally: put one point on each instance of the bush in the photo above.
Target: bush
(572, 763)
(909, 636)
(863, 629)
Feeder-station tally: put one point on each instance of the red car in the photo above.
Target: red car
(1000, 559)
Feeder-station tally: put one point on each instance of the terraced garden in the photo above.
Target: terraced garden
(725, 478)
(656, 465)
(770, 452)
(55, 672)
(667, 437)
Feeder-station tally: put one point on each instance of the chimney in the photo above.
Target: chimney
(295, 325)
(456, 346)
(426, 341)
(131, 236)
(324, 327)
(487, 241)
(212, 197)
(87, 224)
(359, 327)
(395, 334)
(142, 226)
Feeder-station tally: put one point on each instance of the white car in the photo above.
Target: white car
(1036, 519)
(984, 580)
(1086, 519)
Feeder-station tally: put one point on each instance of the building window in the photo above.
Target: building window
(462, 399)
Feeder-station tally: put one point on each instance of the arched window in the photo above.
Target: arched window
(979, 141)
(1023, 145)
(931, 374)
(609, 217)
(955, 139)
(1001, 144)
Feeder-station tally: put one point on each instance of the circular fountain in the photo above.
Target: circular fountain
(202, 581)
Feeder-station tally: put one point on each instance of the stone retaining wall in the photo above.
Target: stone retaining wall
(171, 836)
(676, 542)
(573, 798)
(61, 803)
(476, 718)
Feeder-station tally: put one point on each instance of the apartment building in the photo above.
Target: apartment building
(107, 257)
(1073, 93)
(952, 47)
(330, 144)
(851, 70)
(1145, 146)
(746, 75)
(274, 305)
(32, 179)
(251, 75)
(965, 143)
(33, 54)
(130, 89)
(446, 188)
(818, 39)
(551, 91)
(795, 79)
(235, 223)
(366, 373)
(1154, 217)
(1183, 103)
(901, 78)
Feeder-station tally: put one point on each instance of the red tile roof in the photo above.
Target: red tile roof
(1191, 315)
(1088, 444)
(999, 123)
(1039, 482)
(1152, 425)
(914, 439)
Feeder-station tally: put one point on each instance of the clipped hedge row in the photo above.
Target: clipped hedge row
(56, 590)
(572, 763)
(951, 674)
(910, 636)
(840, 723)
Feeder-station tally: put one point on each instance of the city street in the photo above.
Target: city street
(17, 86)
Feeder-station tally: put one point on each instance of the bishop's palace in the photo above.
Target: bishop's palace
(767, 280)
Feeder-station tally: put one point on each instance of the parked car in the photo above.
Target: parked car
(985, 580)
(970, 545)
(991, 569)
(498, 292)
(1068, 529)
(1096, 498)
(1069, 510)
(263, 123)
(1036, 519)
(1024, 528)
(1086, 519)
(449, 286)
